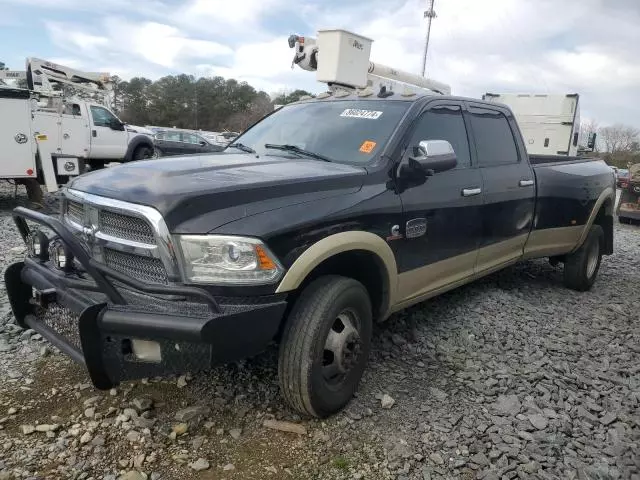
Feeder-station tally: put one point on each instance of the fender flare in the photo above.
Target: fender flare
(607, 194)
(135, 143)
(341, 243)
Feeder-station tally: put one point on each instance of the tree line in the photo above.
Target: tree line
(205, 103)
(618, 144)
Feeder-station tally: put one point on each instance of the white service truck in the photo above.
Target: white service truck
(550, 124)
(61, 124)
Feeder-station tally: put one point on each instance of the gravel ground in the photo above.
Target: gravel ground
(510, 377)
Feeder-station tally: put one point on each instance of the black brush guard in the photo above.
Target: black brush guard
(194, 330)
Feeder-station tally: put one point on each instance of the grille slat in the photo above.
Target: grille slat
(75, 211)
(126, 227)
(147, 269)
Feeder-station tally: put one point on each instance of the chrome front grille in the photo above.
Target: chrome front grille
(146, 269)
(126, 227)
(129, 238)
(75, 212)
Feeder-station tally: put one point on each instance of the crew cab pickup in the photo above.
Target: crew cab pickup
(324, 217)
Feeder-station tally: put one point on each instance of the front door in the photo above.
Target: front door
(508, 185)
(442, 224)
(106, 142)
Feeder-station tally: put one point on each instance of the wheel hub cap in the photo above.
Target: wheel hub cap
(342, 347)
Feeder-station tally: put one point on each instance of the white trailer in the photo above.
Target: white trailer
(550, 124)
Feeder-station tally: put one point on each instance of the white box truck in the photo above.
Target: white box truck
(550, 124)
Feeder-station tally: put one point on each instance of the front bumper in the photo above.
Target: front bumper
(98, 316)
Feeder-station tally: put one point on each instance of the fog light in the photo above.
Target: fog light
(146, 351)
(60, 256)
(38, 245)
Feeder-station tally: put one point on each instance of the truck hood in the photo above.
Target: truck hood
(198, 193)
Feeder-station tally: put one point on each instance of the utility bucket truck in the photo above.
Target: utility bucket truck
(51, 131)
(324, 217)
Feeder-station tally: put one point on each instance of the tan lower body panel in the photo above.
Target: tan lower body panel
(500, 253)
(552, 241)
(426, 282)
(421, 281)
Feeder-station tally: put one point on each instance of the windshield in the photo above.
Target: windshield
(341, 131)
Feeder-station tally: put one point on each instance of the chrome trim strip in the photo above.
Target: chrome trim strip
(165, 249)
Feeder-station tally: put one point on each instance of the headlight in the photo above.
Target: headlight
(228, 260)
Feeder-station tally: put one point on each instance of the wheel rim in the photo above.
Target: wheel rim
(342, 348)
(592, 258)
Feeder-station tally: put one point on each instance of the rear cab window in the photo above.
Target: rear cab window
(494, 139)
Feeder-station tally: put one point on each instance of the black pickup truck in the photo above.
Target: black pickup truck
(324, 217)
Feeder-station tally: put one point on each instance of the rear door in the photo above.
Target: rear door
(191, 143)
(442, 221)
(172, 143)
(508, 186)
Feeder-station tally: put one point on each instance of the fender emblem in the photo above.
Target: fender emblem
(20, 138)
(416, 227)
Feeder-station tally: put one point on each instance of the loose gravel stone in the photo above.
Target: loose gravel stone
(200, 464)
(539, 421)
(387, 401)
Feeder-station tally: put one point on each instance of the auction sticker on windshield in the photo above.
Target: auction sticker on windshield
(367, 146)
(357, 113)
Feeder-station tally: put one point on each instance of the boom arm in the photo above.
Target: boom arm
(46, 77)
(342, 54)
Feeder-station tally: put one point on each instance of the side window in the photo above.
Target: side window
(189, 138)
(171, 136)
(71, 109)
(101, 116)
(494, 139)
(445, 123)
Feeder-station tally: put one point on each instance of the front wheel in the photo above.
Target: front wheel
(143, 152)
(157, 153)
(581, 267)
(325, 346)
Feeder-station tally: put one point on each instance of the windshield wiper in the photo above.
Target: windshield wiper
(242, 147)
(298, 150)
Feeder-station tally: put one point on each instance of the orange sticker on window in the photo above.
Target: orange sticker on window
(367, 146)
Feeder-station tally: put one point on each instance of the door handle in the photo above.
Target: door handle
(94, 133)
(526, 183)
(470, 192)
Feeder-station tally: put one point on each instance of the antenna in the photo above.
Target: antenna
(429, 14)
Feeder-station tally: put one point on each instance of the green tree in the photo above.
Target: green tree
(282, 98)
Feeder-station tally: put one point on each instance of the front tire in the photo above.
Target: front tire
(581, 267)
(624, 220)
(142, 152)
(325, 346)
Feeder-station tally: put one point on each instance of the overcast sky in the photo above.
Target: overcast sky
(591, 47)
